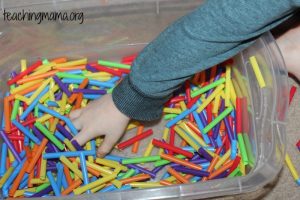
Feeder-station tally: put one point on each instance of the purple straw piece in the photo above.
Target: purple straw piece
(50, 149)
(199, 161)
(38, 133)
(13, 74)
(45, 191)
(222, 175)
(203, 119)
(213, 142)
(10, 146)
(90, 68)
(192, 171)
(58, 96)
(204, 153)
(89, 91)
(51, 168)
(228, 129)
(64, 131)
(141, 169)
(157, 169)
(195, 157)
(62, 86)
(76, 145)
(217, 127)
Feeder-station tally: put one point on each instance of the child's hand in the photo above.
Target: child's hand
(100, 117)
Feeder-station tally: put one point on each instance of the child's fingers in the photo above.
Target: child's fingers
(83, 137)
(106, 146)
(77, 123)
(75, 114)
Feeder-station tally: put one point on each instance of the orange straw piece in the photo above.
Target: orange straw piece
(37, 154)
(71, 187)
(18, 180)
(82, 85)
(39, 76)
(180, 161)
(166, 183)
(140, 177)
(220, 170)
(211, 166)
(177, 175)
(67, 174)
(59, 60)
(7, 111)
(136, 145)
(30, 177)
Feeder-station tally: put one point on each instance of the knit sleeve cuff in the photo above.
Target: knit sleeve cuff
(135, 104)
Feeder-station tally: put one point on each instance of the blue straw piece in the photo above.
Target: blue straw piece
(84, 171)
(108, 189)
(24, 181)
(166, 175)
(64, 182)
(60, 173)
(219, 141)
(125, 187)
(54, 186)
(52, 104)
(59, 136)
(233, 149)
(114, 158)
(26, 132)
(92, 96)
(181, 116)
(33, 104)
(201, 127)
(68, 154)
(3, 159)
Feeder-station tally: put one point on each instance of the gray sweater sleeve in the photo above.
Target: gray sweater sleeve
(214, 32)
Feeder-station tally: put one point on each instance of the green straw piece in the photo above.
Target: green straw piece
(235, 172)
(36, 111)
(45, 61)
(12, 87)
(15, 109)
(49, 135)
(243, 149)
(165, 162)
(140, 160)
(128, 174)
(42, 187)
(249, 149)
(217, 120)
(207, 87)
(110, 90)
(68, 75)
(169, 116)
(113, 64)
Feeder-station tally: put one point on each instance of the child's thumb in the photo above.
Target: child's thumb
(107, 144)
(83, 137)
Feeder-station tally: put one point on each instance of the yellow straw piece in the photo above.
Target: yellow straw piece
(99, 168)
(237, 88)
(145, 184)
(242, 168)
(23, 65)
(69, 145)
(117, 183)
(183, 135)
(164, 137)
(257, 72)
(42, 69)
(71, 63)
(210, 98)
(44, 118)
(22, 98)
(47, 95)
(171, 179)
(216, 104)
(131, 126)
(172, 110)
(24, 86)
(71, 166)
(20, 110)
(232, 93)
(193, 134)
(110, 163)
(291, 167)
(38, 181)
(51, 90)
(223, 159)
(6, 176)
(89, 147)
(94, 184)
(182, 105)
(96, 189)
(97, 74)
(149, 149)
(43, 169)
(227, 86)
(241, 83)
(19, 193)
(11, 157)
(39, 90)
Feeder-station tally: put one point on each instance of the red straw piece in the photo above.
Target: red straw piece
(106, 69)
(130, 58)
(245, 121)
(292, 93)
(238, 115)
(298, 145)
(132, 140)
(25, 72)
(209, 117)
(235, 164)
(124, 71)
(172, 139)
(169, 147)
(26, 123)
(193, 101)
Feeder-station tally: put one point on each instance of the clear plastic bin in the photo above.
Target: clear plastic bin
(113, 29)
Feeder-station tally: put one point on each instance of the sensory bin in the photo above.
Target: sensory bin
(206, 134)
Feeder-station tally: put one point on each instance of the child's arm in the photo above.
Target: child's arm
(214, 32)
